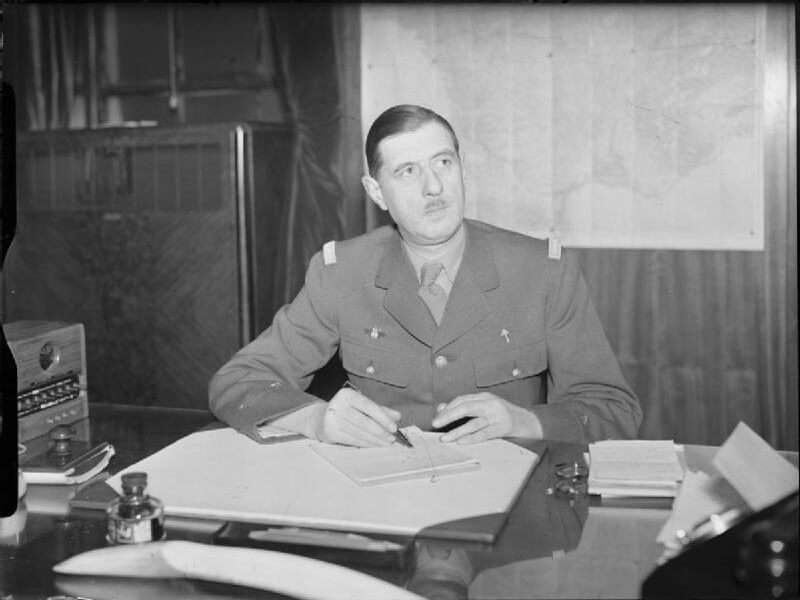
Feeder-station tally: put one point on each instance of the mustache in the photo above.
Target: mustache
(435, 204)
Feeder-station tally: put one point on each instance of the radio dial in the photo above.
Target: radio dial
(48, 356)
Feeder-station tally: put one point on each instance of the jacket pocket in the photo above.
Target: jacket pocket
(373, 363)
(510, 365)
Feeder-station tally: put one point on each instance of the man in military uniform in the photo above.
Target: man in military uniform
(440, 321)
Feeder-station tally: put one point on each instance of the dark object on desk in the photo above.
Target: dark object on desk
(756, 558)
(9, 482)
(332, 546)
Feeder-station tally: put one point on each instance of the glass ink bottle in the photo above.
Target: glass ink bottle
(135, 517)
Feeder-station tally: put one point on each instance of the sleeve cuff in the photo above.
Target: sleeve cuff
(247, 413)
(559, 424)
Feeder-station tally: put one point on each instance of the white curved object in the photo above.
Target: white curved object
(287, 574)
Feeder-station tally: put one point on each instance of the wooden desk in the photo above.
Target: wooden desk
(551, 546)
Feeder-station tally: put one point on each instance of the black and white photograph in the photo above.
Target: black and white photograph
(398, 301)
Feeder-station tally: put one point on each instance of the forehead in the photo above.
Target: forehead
(412, 146)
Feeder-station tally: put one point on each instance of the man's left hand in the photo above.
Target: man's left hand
(489, 417)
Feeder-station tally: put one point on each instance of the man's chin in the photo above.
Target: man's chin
(439, 234)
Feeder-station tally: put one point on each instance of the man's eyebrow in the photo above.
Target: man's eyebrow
(449, 152)
(403, 165)
(443, 152)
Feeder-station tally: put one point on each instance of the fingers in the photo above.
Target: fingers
(363, 432)
(481, 435)
(343, 424)
(461, 407)
(487, 417)
(394, 415)
(353, 419)
(471, 427)
(366, 406)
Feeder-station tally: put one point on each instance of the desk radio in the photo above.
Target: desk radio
(51, 374)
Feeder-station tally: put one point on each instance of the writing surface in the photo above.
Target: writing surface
(223, 474)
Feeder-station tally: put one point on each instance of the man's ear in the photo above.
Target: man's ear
(373, 190)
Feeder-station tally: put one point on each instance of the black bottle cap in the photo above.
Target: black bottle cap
(132, 481)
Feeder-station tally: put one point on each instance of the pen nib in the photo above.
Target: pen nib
(401, 439)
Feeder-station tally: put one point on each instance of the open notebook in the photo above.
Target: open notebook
(429, 458)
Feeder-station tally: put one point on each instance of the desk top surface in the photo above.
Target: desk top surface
(553, 544)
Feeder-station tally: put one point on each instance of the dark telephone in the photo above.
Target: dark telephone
(756, 558)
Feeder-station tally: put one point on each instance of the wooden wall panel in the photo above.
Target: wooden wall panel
(696, 339)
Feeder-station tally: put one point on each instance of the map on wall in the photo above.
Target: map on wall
(604, 126)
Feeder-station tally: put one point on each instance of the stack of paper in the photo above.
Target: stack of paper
(635, 468)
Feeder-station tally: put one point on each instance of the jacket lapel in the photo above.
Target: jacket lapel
(396, 275)
(467, 305)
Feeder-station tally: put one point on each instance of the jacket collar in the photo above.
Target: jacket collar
(477, 256)
(466, 306)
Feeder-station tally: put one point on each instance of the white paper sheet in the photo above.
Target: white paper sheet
(755, 469)
(386, 464)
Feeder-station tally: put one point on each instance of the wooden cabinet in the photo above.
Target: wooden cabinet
(161, 241)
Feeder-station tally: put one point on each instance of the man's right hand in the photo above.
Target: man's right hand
(353, 419)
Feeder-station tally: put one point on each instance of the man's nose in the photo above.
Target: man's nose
(432, 186)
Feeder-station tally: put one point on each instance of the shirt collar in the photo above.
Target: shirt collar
(450, 257)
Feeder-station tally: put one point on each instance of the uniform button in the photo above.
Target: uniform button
(441, 361)
(516, 372)
(274, 385)
(370, 370)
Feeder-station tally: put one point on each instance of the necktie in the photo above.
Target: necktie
(432, 294)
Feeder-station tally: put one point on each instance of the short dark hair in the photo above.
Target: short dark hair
(399, 119)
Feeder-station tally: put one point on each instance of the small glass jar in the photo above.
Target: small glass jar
(135, 517)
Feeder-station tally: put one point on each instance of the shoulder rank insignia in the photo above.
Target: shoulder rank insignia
(553, 249)
(329, 253)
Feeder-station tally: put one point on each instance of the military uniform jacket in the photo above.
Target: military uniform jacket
(518, 324)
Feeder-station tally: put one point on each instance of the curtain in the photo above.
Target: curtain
(52, 53)
(317, 50)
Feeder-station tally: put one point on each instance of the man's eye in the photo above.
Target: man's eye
(443, 162)
(408, 171)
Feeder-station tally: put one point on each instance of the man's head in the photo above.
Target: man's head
(415, 173)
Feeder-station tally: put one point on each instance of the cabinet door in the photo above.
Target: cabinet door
(135, 237)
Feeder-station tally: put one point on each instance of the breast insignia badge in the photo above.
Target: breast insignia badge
(374, 333)
(553, 249)
(329, 253)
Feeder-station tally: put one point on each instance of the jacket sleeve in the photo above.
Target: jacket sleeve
(588, 397)
(266, 378)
